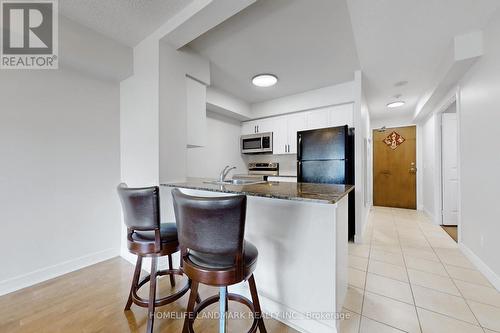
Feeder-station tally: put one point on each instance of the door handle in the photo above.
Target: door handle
(413, 169)
(385, 172)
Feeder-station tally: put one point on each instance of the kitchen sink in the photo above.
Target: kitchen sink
(235, 182)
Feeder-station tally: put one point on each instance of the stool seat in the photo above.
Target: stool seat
(222, 262)
(168, 234)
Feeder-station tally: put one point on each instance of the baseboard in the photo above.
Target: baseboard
(47, 273)
(125, 254)
(481, 266)
(429, 215)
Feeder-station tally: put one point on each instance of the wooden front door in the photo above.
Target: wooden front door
(394, 167)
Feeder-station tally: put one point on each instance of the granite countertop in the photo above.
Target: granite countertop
(321, 193)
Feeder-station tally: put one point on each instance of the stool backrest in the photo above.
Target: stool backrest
(212, 225)
(140, 206)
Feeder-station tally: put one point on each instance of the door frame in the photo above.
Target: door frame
(453, 97)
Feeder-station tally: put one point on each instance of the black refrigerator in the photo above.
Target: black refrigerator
(326, 156)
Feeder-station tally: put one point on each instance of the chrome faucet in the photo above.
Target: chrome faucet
(225, 172)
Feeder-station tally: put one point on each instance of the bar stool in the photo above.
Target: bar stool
(147, 237)
(214, 252)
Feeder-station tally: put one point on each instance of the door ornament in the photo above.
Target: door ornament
(394, 140)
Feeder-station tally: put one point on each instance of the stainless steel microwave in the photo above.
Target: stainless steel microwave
(257, 143)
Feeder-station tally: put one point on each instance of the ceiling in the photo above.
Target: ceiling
(307, 44)
(127, 21)
(405, 40)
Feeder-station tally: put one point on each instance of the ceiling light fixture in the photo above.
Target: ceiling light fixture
(395, 104)
(264, 80)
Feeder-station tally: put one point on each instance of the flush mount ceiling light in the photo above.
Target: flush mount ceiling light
(264, 80)
(395, 104)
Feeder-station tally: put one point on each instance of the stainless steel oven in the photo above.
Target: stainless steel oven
(257, 143)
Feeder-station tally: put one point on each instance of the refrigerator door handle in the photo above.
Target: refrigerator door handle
(299, 146)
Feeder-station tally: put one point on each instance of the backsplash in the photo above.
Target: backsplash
(288, 163)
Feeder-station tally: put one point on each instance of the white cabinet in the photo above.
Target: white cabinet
(285, 130)
(265, 125)
(295, 123)
(280, 135)
(257, 126)
(318, 118)
(331, 116)
(285, 127)
(248, 127)
(341, 115)
(196, 113)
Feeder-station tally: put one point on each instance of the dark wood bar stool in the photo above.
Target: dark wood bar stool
(214, 252)
(147, 237)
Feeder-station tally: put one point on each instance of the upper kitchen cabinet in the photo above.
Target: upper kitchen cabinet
(258, 126)
(280, 135)
(318, 118)
(285, 130)
(341, 115)
(248, 127)
(196, 94)
(332, 116)
(295, 123)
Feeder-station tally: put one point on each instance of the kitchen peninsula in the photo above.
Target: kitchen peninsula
(300, 230)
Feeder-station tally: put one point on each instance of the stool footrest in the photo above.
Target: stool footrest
(144, 302)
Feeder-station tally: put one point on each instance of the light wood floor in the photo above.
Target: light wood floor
(92, 300)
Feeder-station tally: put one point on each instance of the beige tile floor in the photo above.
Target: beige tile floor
(408, 275)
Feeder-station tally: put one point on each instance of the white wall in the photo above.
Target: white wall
(59, 142)
(363, 173)
(172, 117)
(395, 121)
(139, 135)
(313, 99)
(222, 148)
(221, 102)
(430, 166)
(86, 51)
(174, 66)
(479, 117)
